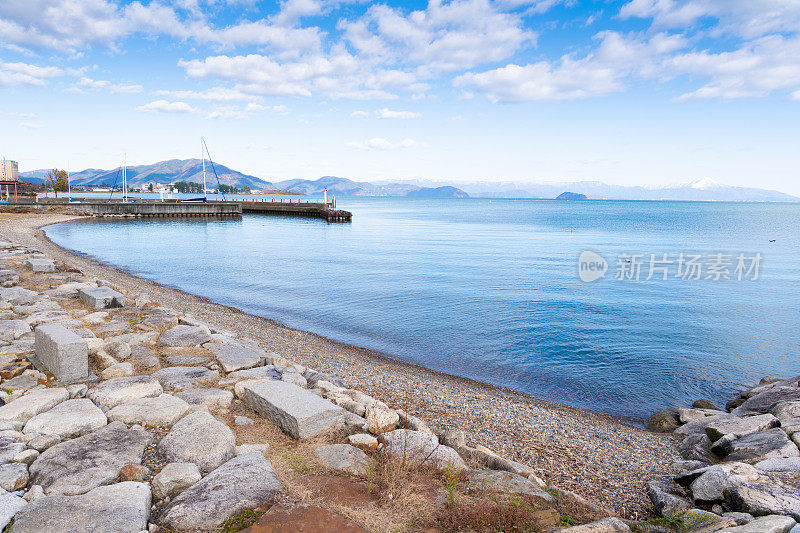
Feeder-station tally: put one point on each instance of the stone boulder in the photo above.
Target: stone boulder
(69, 419)
(13, 329)
(739, 427)
(101, 297)
(244, 482)
(178, 378)
(298, 412)
(381, 419)
(697, 447)
(79, 465)
(19, 296)
(767, 400)
(10, 505)
(121, 508)
(420, 449)
(780, 464)
(13, 476)
(118, 370)
(503, 482)
(186, 359)
(665, 421)
(235, 355)
(174, 479)
(261, 372)
(9, 448)
(160, 411)
(31, 404)
(666, 500)
(770, 495)
(343, 458)
(606, 525)
(756, 447)
(198, 438)
(765, 524)
(120, 390)
(185, 336)
(210, 398)
(364, 442)
(711, 484)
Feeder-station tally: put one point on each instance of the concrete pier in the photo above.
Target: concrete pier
(298, 209)
(176, 208)
(159, 209)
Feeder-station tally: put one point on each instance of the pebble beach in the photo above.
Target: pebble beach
(599, 457)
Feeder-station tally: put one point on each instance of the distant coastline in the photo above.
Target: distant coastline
(174, 170)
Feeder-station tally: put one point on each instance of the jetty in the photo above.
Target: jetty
(298, 208)
(142, 208)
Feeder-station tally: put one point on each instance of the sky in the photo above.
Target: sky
(639, 92)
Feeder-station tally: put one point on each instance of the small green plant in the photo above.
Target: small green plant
(242, 520)
(679, 523)
(450, 481)
(567, 520)
(551, 491)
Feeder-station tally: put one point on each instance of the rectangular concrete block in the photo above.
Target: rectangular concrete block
(41, 264)
(102, 297)
(298, 412)
(62, 352)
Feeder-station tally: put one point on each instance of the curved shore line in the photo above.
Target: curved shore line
(597, 455)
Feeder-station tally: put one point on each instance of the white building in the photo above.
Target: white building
(9, 170)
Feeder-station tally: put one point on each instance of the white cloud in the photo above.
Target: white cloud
(604, 70)
(163, 106)
(30, 125)
(72, 25)
(744, 18)
(216, 94)
(388, 113)
(246, 111)
(379, 143)
(445, 36)
(756, 69)
(110, 87)
(359, 114)
(26, 74)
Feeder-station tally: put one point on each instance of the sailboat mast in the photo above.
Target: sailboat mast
(125, 177)
(203, 157)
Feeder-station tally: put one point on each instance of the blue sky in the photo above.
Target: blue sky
(646, 92)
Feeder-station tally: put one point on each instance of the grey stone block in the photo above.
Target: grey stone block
(101, 297)
(41, 264)
(298, 412)
(63, 353)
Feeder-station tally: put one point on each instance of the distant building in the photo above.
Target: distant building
(9, 170)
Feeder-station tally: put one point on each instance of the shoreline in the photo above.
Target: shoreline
(599, 456)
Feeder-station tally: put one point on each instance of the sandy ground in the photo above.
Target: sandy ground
(597, 456)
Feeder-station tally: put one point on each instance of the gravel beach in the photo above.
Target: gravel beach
(599, 457)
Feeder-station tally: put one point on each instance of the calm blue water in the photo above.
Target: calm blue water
(489, 289)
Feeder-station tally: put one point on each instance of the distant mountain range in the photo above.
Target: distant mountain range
(163, 173)
(166, 172)
(700, 190)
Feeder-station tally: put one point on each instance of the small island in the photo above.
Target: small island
(571, 196)
(437, 192)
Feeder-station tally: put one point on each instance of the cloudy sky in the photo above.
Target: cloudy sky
(647, 92)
